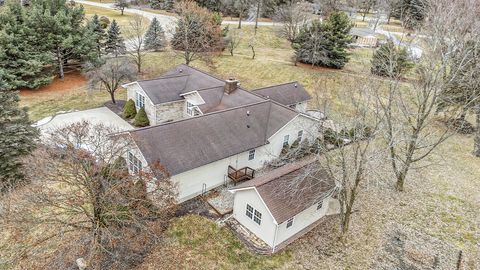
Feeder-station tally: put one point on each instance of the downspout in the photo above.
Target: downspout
(274, 238)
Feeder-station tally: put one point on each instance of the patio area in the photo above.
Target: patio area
(221, 200)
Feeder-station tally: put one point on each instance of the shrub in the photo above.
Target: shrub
(141, 119)
(285, 149)
(129, 110)
(390, 61)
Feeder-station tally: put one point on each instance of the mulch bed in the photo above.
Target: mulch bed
(117, 107)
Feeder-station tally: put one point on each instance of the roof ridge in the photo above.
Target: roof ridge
(196, 117)
(208, 74)
(296, 166)
(276, 85)
(161, 78)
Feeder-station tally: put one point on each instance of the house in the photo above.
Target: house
(285, 203)
(187, 92)
(206, 136)
(204, 152)
(363, 37)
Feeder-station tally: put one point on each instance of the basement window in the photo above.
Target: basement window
(251, 154)
(300, 135)
(286, 138)
(290, 222)
(319, 205)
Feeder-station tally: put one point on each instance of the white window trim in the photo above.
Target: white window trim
(190, 109)
(251, 154)
(255, 214)
(134, 164)
(290, 222)
(139, 98)
(300, 135)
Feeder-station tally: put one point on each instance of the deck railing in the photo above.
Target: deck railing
(243, 174)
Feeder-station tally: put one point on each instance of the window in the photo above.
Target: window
(190, 109)
(139, 100)
(290, 222)
(319, 205)
(249, 212)
(300, 135)
(251, 154)
(134, 164)
(258, 217)
(285, 140)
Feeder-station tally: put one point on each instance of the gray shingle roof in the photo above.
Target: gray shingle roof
(190, 143)
(286, 94)
(216, 99)
(181, 79)
(292, 188)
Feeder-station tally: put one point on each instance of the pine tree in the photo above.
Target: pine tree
(22, 60)
(96, 27)
(62, 31)
(390, 61)
(325, 44)
(129, 110)
(114, 44)
(17, 137)
(155, 37)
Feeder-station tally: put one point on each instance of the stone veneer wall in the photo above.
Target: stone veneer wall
(169, 111)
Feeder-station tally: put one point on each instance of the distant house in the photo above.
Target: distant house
(285, 203)
(186, 92)
(363, 37)
(208, 132)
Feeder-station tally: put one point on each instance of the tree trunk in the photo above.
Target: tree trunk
(476, 143)
(60, 64)
(112, 96)
(240, 20)
(256, 17)
(122, 10)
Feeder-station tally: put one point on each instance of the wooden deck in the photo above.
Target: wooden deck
(243, 174)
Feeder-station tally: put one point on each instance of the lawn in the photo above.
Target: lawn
(195, 242)
(122, 20)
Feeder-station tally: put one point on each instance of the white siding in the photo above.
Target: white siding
(266, 229)
(191, 183)
(301, 221)
(301, 107)
(170, 111)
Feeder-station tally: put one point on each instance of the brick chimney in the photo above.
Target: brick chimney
(230, 85)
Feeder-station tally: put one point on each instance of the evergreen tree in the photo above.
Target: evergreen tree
(390, 61)
(114, 44)
(96, 27)
(63, 33)
(21, 59)
(17, 137)
(141, 119)
(129, 110)
(325, 44)
(411, 12)
(155, 37)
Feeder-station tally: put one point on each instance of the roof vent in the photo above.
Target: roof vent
(231, 85)
(180, 70)
(295, 85)
(248, 113)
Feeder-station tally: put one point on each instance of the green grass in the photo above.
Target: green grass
(201, 243)
(122, 20)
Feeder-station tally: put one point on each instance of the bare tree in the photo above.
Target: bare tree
(135, 44)
(233, 40)
(293, 16)
(242, 7)
(410, 125)
(121, 5)
(111, 74)
(81, 186)
(366, 6)
(355, 156)
(197, 35)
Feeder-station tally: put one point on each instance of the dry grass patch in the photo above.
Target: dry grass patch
(195, 242)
